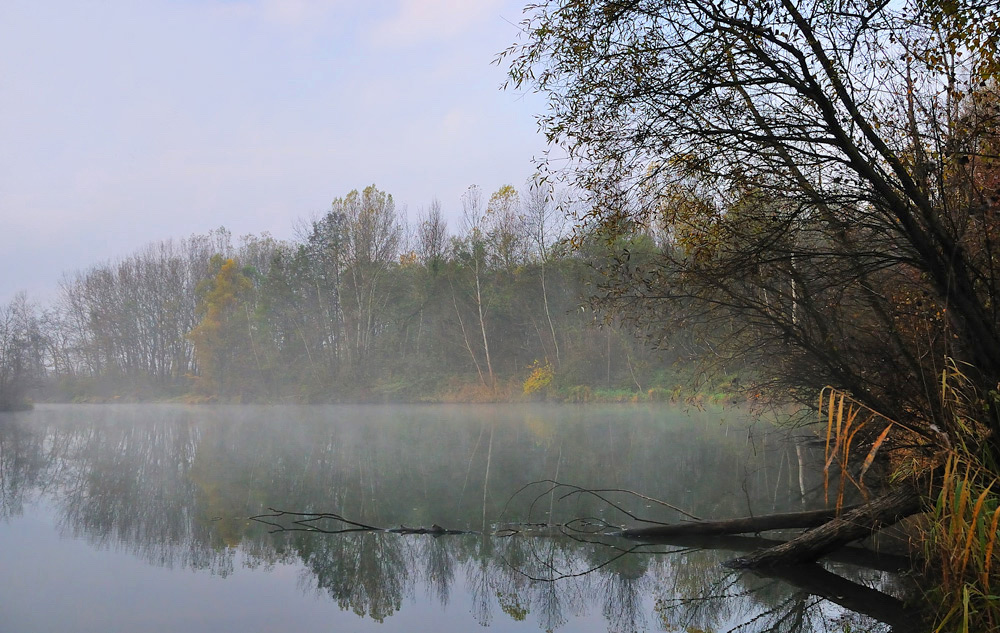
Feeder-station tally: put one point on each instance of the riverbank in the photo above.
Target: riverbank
(722, 393)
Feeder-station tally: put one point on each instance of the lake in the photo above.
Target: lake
(149, 518)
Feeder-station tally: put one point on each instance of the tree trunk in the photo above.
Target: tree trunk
(548, 316)
(858, 523)
(831, 529)
(744, 525)
(858, 556)
(482, 326)
(465, 337)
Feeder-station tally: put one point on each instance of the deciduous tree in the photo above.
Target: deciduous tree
(218, 338)
(818, 168)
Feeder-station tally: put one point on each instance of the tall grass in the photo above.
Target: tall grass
(959, 536)
(960, 547)
(852, 427)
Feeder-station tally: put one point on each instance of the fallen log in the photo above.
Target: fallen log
(743, 525)
(904, 500)
(737, 545)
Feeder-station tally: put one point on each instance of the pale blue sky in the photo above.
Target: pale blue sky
(128, 121)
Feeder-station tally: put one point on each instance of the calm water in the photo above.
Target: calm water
(137, 518)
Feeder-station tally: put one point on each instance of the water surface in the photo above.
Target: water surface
(138, 518)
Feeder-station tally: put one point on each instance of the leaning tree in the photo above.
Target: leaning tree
(823, 177)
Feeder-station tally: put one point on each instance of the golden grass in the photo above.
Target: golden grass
(960, 534)
(478, 393)
(960, 546)
(845, 420)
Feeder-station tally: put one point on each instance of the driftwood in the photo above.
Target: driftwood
(858, 523)
(743, 525)
(828, 530)
(851, 555)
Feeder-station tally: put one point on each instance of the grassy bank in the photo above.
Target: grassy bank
(538, 383)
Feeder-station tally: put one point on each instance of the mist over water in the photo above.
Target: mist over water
(136, 518)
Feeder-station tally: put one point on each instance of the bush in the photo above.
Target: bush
(539, 379)
(659, 394)
(579, 393)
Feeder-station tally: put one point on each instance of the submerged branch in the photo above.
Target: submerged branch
(599, 493)
(306, 520)
(828, 530)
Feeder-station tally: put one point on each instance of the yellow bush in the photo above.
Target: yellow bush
(540, 377)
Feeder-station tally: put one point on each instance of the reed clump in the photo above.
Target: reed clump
(960, 546)
(957, 540)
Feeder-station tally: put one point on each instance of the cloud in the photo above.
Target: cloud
(421, 21)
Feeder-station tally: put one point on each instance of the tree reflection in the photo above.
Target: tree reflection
(367, 573)
(624, 585)
(24, 465)
(439, 568)
(481, 579)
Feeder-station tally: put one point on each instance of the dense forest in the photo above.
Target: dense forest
(361, 307)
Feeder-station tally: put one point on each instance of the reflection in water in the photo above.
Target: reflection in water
(174, 486)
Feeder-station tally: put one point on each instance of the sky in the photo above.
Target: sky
(124, 122)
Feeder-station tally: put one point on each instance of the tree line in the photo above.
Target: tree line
(361, 306)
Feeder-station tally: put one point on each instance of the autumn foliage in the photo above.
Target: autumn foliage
(220, 332)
